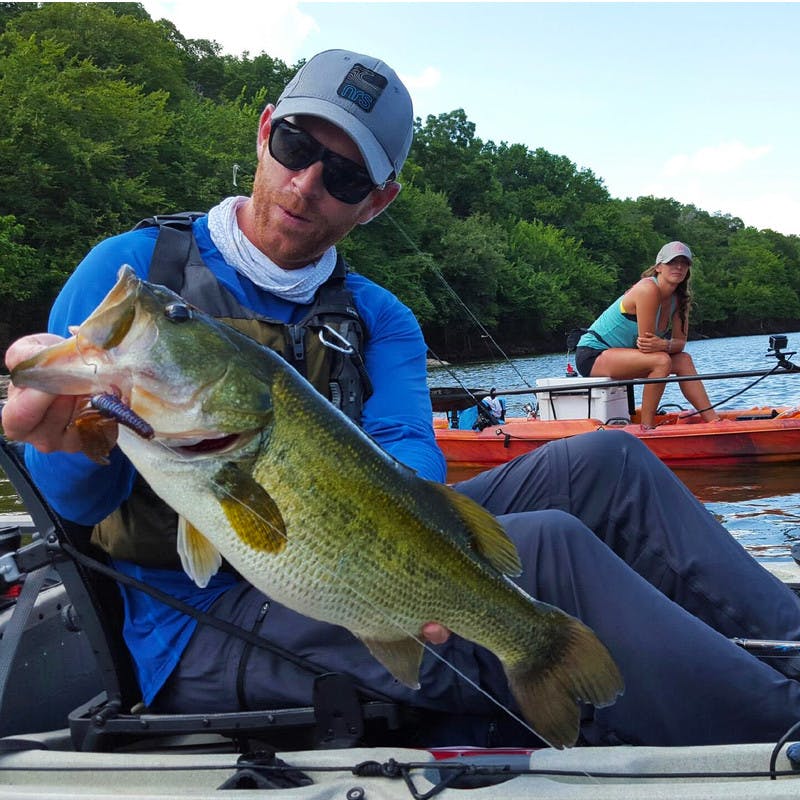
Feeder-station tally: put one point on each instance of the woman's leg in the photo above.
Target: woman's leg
(693, 391)
(624, 362)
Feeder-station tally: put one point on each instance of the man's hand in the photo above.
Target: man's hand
(39, 418)
(435, 633)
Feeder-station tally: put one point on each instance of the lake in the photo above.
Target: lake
(758, 504)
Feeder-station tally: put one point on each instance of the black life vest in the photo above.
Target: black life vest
(326, 347)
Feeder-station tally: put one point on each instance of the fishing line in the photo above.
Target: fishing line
(453, 294)
(385, 614)
(727, 399)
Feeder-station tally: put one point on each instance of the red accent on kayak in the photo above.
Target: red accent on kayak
(677, 440)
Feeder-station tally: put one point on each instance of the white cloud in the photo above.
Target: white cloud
(277, 27)
(717, 159)
(429, 78)
(777, 210)
(723, 178)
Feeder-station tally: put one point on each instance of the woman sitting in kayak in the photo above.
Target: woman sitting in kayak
(642, 335)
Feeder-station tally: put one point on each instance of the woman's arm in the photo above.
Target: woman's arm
(646, 300)
(680, 332)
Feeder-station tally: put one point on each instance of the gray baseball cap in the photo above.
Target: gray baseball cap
(673, 250)
(362, 96)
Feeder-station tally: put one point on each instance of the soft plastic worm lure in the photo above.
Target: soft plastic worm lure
(112, 407)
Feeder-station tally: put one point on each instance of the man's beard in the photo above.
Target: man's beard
(287, 247)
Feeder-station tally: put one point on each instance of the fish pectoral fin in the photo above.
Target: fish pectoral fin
(401, 657)
(251, 512)
(96, 434)
(486, 534)
(199, 558)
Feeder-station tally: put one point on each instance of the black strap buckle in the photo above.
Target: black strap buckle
(340, 718)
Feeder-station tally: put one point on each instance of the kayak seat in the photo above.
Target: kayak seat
(115, 717)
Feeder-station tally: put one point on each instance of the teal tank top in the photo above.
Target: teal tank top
(617, 330)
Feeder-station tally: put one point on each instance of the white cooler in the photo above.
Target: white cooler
(587, 398)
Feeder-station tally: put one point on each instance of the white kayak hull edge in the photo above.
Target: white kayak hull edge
(191, 776)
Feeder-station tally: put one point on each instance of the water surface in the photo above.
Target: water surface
(759, 504)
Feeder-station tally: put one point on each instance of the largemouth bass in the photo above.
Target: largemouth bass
(308, 508)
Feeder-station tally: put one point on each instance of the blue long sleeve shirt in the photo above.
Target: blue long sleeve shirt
(398, 416)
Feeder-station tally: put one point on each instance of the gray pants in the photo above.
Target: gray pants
(607, 533)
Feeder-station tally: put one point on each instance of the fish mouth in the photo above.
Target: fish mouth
(199, 447)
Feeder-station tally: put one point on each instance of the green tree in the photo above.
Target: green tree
(401, 250)
(453, 161)
(10, 10)
(134, 46)
(473, 263)
(761, 290)
(78, 147)
(210, 153)
(263, 77)
(538, 185)
(553, 285)
(18, 261)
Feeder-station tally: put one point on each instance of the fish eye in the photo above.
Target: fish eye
(178, 312)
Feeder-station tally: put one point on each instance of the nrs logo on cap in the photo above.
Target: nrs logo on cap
(362, 86)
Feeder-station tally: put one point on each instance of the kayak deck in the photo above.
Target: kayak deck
(741, 772)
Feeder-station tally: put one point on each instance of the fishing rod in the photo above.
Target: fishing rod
(570, 384)
(777, 345)
(778, 648)
(452, 292)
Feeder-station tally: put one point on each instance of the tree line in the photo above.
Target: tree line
(108, 116)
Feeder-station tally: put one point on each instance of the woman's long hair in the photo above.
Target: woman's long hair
(683, 292)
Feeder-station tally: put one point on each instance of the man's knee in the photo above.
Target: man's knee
(610, 451)
(552, 531)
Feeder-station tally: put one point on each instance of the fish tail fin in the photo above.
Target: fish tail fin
(550, 697)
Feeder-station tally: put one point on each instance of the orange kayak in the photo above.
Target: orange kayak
(744, 436)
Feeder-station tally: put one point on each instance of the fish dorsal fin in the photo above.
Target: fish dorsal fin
(401, 657)
(251, 512)
(486, 534)
(199, 558)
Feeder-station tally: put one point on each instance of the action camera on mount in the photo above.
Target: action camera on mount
(778, 342)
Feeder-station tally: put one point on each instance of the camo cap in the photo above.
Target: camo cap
(673, 250)
(362, 96)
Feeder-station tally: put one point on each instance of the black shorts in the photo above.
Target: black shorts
(585, 358)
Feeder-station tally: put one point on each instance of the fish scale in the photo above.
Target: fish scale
(312, 511)
(294, 479)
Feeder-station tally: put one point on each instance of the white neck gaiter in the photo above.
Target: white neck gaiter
(298, 285)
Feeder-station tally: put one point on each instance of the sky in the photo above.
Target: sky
(695, 101)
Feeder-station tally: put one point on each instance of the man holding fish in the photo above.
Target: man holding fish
(600, 528)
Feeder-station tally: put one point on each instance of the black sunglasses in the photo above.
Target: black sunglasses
(295, 149)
